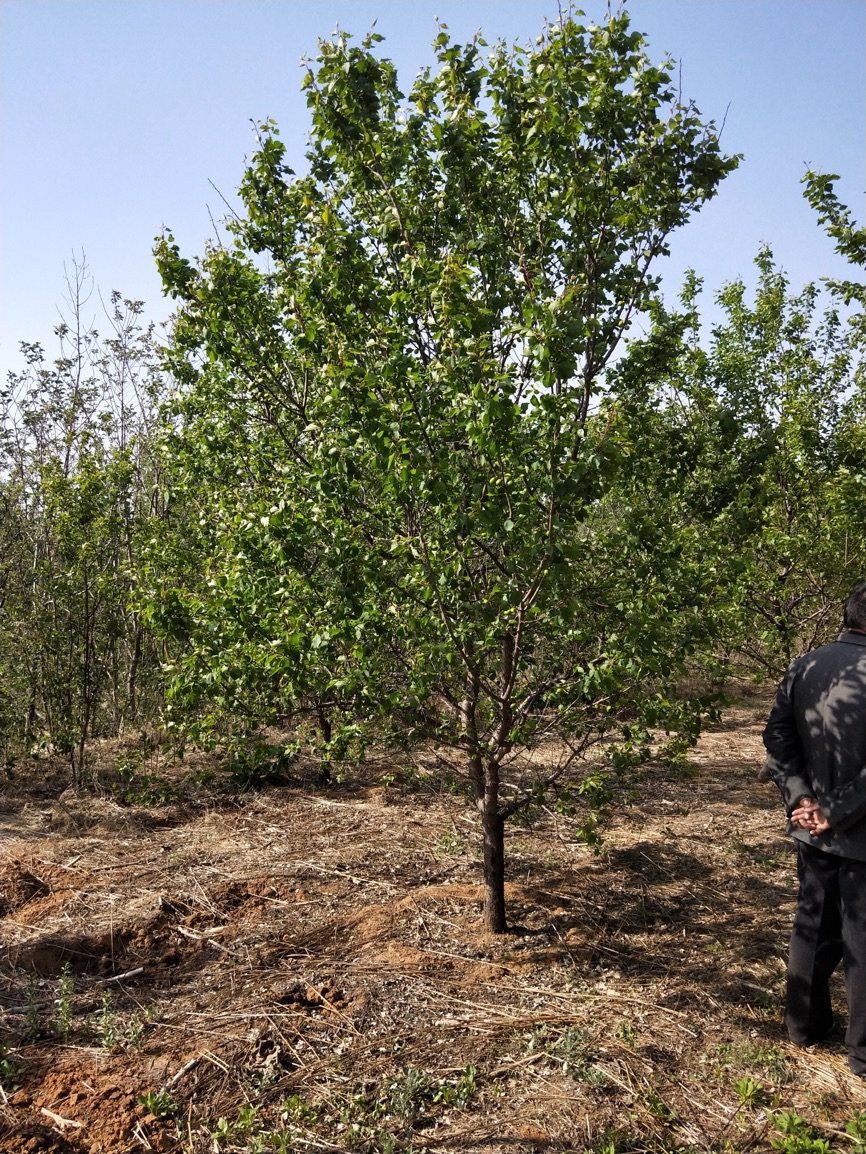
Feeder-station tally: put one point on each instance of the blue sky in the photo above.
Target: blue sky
(117, 115)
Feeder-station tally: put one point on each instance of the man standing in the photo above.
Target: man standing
(816, 754)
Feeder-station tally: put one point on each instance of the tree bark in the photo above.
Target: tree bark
(326, 731)
(493, 830)
(132, 674)
(484, 775)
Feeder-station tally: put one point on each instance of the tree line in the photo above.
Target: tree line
(427, 459)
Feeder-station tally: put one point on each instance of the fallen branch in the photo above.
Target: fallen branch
(224, 949)
(121, 977)
(61, 1122)
(202, 935)
(185, 1069)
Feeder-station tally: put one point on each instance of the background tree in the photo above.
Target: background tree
(756, 439)
(77, 486)
(850, 240)
(388, 413)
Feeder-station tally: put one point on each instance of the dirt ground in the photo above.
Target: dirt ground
(303, 969)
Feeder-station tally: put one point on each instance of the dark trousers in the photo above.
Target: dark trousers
(829, 927)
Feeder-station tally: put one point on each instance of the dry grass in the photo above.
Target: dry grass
(310, 964)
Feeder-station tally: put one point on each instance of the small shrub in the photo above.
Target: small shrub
(64, 1016)
(408, 1093)
(135, 787)
(259, 764)
(107, 1030)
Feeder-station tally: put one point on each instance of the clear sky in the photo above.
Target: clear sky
(118, 114)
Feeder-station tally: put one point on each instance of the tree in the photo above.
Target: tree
(388, 414)
(76, 490)
(838, 223)
(756, 437)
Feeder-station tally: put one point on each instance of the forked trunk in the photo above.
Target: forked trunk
(493, 829)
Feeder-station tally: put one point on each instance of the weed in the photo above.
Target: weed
(743, 849)
(657, 1107)
(799, 1136)
(366, 1119)
(449, 843)
(296, 1109)
(450, 783)
(462, 1092)
(614, 1139)
(107, 1029)
(223, 1131)
(589, 1074)
(65, 991)
(160, 1103)
(248, 1120)
(571, 1042)
(684, 771)
(409, 778)
(358, 1118)
(625, 1032)
(467, 1086)
(856, 1128)
(413, 778)
(134, 1032)
(569, 1048)
(282, 1142)
(408, 1093)
(8, 1070)
(537, 1039)
(747, 1058)
(201, 778)
(750, 1092)
(604, 1148)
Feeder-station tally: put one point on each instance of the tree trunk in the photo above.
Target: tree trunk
(32, 712)
(132, 675)
(326, 731)
(484, 775)
(493, 830)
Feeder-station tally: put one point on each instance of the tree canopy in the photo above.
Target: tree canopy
(390, 412)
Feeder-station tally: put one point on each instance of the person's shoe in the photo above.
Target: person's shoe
(830, 1035)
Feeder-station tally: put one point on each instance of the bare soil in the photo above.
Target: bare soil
(303, 969)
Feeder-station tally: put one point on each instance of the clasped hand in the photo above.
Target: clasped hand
(809, 815)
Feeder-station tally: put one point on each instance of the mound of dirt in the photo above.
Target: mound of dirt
(18, 886)
(79, 1107)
